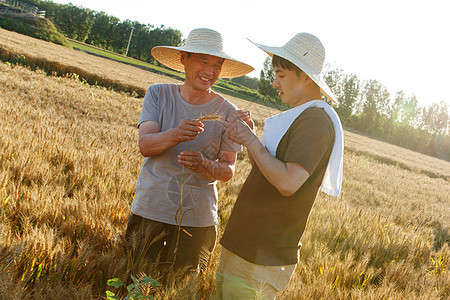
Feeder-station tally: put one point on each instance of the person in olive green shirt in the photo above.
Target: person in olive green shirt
(299, 152)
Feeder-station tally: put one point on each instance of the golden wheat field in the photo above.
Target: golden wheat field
(68, 166)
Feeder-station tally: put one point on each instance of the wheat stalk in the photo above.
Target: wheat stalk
(208, 117)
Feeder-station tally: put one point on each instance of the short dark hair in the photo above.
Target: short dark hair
(278, 61)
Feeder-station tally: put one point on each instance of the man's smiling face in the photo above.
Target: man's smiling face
(201, 70)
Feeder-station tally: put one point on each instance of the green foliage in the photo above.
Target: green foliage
(161, 36)
(409, 111)
(375, 97)
(225, 83)
(35, 27)
(75, 22)
(266, 79)
(435, 118)
(347, 89)
(133, 289)
(369, 108)
(250, 82)
(102, 32)
(108, 32)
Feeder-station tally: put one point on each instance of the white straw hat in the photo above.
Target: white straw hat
(306, 52)
(205, 41)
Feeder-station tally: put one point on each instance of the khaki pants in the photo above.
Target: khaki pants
(237, 278)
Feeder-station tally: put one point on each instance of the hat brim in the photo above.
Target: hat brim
(171, 57)
(313, 74)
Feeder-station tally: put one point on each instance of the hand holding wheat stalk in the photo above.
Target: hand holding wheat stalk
(179, 213)
(241, 129)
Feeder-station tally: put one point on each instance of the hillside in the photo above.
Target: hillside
(40, 28)
(68, 168)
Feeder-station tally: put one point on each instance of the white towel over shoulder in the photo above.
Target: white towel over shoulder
(275, 127)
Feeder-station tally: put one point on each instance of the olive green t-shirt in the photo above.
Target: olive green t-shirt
(265, 227)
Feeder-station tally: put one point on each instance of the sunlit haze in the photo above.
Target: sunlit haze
(403, 44)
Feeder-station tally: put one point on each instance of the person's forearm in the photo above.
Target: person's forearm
(156, 143)
(217, 170)
(274, 170)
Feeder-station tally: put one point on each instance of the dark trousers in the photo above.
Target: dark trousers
(159, 240)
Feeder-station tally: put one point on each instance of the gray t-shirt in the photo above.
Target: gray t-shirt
(159, 183)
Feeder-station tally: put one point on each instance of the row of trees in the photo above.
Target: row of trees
(367, 106)
(108, 32)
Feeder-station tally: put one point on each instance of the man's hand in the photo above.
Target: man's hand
(245, 115)
(193, 160)
(188, 129)
(221, 169)
(240, 132)
(154, 142)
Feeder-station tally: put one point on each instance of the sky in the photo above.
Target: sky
(404, 44)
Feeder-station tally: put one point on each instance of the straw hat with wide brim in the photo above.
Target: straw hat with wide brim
(306, 52)
(204, 41)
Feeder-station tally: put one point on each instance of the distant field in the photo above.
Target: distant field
(121, 58)
(68, 167)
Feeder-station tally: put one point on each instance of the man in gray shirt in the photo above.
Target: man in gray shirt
(186, 150)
